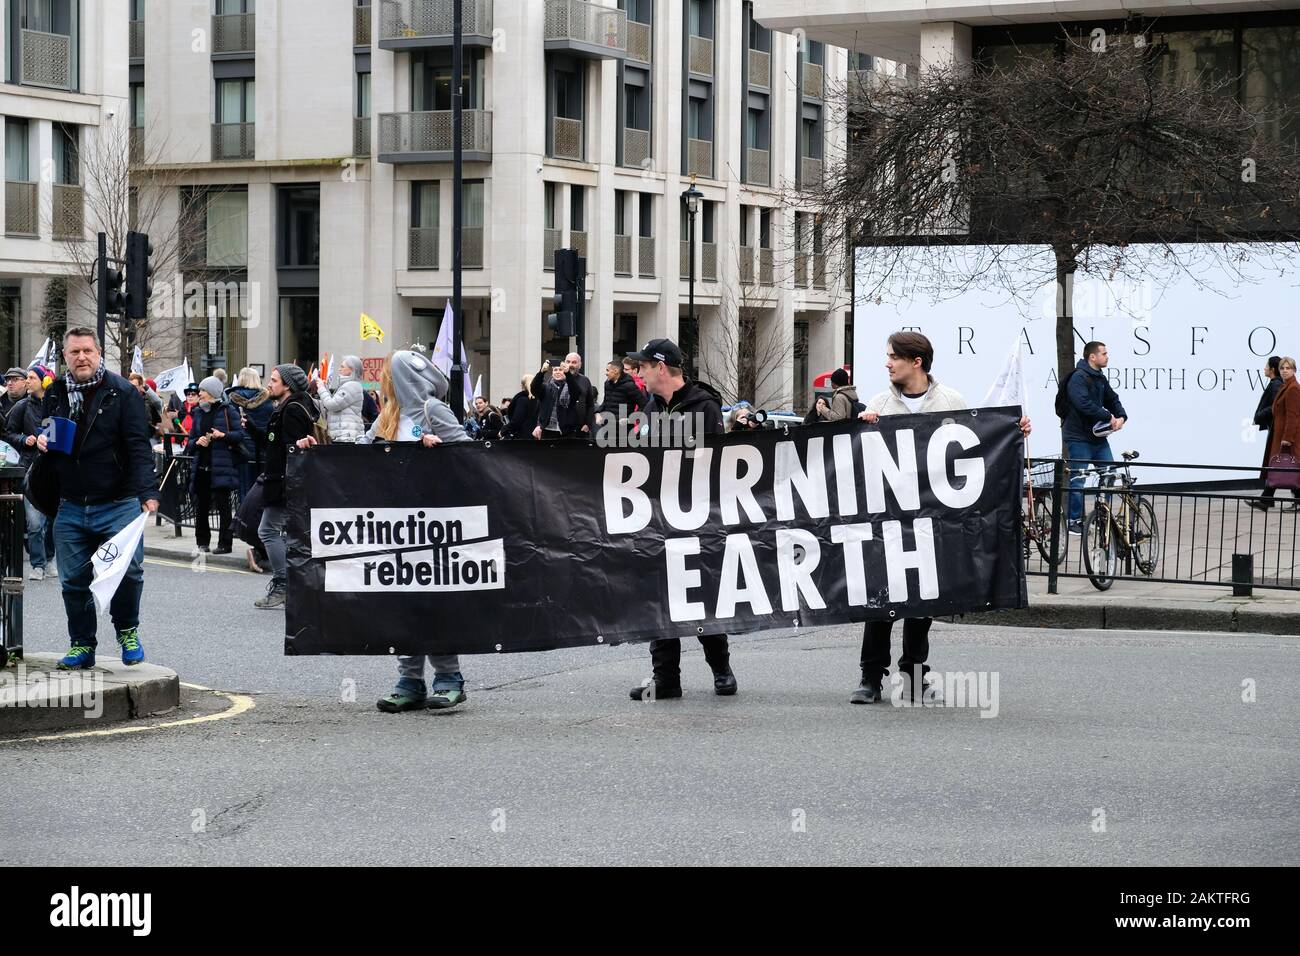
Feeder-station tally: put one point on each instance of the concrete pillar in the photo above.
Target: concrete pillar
(945, 45)
(263, 318)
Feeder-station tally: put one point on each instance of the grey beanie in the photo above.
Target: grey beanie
(293, 376)
(212, 385)
(354, 363)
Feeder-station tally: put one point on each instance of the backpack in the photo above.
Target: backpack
(858, 408)
(1063, 396)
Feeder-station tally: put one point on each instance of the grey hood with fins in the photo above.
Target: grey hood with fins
(418, 382)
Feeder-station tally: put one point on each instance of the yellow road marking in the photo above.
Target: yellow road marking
(239, 703)
(189, 565)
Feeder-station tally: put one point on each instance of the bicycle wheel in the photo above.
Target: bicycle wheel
(1042, 525)
(1099, 554)
(1146, 537)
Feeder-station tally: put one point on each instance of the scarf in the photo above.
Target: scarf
(77, 390)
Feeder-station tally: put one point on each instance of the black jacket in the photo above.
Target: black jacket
(570, 419)
(25, 419)
(523, 417)
(622, 397)
(292, 419)
(1263, 411)
(693, 398)
(1092, 400)
(112, 458)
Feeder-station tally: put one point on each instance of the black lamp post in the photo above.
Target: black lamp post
(692, 197)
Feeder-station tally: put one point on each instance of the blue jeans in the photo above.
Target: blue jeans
(410, 673)
(79, 530)
(40, 536)
(1099, 450)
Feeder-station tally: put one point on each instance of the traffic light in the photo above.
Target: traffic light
(139, 275)
(109, 286)
(568, 300)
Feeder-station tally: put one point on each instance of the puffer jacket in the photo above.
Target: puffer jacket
(939, 398)
(217, 458)
(343, 406)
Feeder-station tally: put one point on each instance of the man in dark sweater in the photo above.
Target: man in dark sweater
(672, 399)
(104, 483)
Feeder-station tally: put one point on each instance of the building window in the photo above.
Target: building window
(227, 229)
(620, 213)
(299, 226)
(58, 63)
(137, 106)
(548, 206)
(577, 197)
(471, 228)
(424, 205)
(646, 221)
(17, 151)
(765, 228)
(236, 101)
(431, 80)
(299, 330)
(363, 95)
(67, 170)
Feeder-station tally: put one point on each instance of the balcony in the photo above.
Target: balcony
(645, 258)
(699, 158)
(636, 148)
(818, 270)
(622, 255)
(234, 33)
(361, 19)
(758, 171)
(813, 81)
(232, 141)
(20, 210)
(471, 247)
(801, 269)
(135, 145)
(551, 239)
(585, 29)
(810, 172)
(640, 42)
(700, 56)
(427, 24)
(425, 137)
(422, 247)
(684, 257)
(360, 134)
(46, 59)
(747, 264)
(766, 267)
(578, 242)
(760, 69)
(566, 138)
(69, 212)
(137, 40)
(709, 261)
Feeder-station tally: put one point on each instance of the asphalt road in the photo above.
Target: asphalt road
(549, 762)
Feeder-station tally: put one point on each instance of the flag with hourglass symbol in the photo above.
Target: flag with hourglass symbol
(111, 560)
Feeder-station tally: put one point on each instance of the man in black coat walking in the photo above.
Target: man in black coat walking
(675, 398)
(104, 483)
(622, 396)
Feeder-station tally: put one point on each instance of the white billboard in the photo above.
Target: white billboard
(1187, 349)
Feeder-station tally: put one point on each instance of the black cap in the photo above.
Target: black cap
(660, 350)
(192, 387)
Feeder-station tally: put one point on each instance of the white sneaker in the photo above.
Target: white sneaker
(38, 574)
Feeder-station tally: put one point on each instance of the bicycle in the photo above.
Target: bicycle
(1122, 526)
(1036, 516)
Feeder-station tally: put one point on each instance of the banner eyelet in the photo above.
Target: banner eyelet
(487, 444)
(498, 647)
(600, 639)
(699, 630)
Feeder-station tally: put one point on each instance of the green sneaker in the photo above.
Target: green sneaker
(400, 700)
(132, 651)
(447, 697)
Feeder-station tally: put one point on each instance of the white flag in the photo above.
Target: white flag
(174, 379)
(137, 362)
(45, 356)
(112, 559)
(1009, 387)
(478, 387)
(442, 351)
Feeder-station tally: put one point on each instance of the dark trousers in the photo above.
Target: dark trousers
(204, 493)
(916, 647)
(666, 656)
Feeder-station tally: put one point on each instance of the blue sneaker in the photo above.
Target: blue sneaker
(132, 650)
(78, 658)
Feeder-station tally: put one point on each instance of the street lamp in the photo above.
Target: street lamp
(692, 196)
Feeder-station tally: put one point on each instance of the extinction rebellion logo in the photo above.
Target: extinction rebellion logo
(407, 550)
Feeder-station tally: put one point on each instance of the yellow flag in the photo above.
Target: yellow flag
(370, 329)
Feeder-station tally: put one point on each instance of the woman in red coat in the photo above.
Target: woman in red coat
(1286, 416)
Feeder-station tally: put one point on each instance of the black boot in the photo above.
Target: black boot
(868, 691)
(724, 682)
(654, 690)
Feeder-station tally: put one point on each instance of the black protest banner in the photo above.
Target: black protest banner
(525, 546)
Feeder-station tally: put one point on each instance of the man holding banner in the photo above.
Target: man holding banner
(912, 390)
(672, 400)
(99, 443)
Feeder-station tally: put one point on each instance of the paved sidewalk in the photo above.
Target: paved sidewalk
(35, 696)
(161, 542)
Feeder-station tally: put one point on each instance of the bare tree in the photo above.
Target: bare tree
(1101, 152)
(130, 189)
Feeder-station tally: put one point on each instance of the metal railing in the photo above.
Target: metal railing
(801, 269)
(746, 263)
(234, 32)
(622, 255)
(814, 84)
(422, 247)
(566, 138)
(13, 522)
(137, 40)
(178, 505)
(135, 144)
(684, 258)
(429, 131)
(551, 239)
(760, 69)
(232, 141)
(471, 247)
(709, 261)
(431, 19)
(818, 270)
(46, 59)
(810, 171)
(69, 212)
(766, 267)
(699, 158)
(360, 134)
(645, 257)
(581, 22)
(361, 20)
(636, 147)
(1160, 532)
(640, 42)
(758, 170)
(21, 205)
(700, 56)
(578, 241)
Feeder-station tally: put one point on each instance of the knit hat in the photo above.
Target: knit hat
(293, 376)
(153, 386)
(44, 374)
(212, 385)
(839, 378)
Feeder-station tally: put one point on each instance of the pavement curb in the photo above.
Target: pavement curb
(1144, 617)
(55, 701)
(222, 560)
